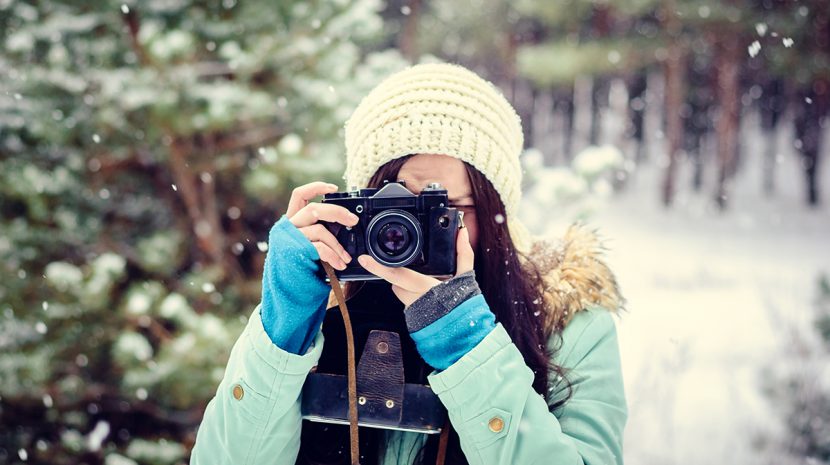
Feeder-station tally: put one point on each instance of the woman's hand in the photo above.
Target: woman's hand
(305, 217)
(409, 285)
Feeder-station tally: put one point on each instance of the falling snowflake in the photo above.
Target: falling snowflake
(262, 246)
(96, 138)
(97, 435)
(174, 187)
(761, 29)
(125, 9)
(787, 41)
(499, 218)
(754, 48)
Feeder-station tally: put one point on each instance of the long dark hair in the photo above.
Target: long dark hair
(514, 292)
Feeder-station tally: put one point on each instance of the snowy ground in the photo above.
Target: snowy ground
(711, 298)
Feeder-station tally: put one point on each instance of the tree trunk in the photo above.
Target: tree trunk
(811, 108)
(728, 56)
(583, 91)
(636, 113)
(675, 69)
(408, 38)
(772, 107)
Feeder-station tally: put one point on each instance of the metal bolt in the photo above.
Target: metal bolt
(359, 209)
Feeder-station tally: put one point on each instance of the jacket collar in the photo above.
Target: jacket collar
(575, 275)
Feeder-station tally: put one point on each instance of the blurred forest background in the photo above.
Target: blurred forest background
(146, 147)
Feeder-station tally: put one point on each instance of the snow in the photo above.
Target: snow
(116, 459)
(132, 345)
(706, 293)
(97, 435)
(63, 275)
(290, 145)
(761, 29)
(754, 48)
(594, 160)
(139, 302)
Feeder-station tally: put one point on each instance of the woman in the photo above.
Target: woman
(521, 341)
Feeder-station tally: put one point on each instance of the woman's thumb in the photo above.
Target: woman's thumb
(465, 257)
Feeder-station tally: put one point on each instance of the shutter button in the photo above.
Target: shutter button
(496, 424)
(238, 392)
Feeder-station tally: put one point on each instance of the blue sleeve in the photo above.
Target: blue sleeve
(447, 339)
(294, 297)
(449, 320)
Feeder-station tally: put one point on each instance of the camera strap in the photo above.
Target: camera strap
(352, 377)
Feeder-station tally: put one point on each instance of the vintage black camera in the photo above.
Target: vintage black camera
(397, 228)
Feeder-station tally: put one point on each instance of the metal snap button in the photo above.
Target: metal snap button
(390, 403)
(383, 347)
(238, 392)
(496, 424)
(361, 400)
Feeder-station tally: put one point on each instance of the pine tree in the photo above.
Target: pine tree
(145, 150)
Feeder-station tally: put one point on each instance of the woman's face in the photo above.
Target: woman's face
(424, 168)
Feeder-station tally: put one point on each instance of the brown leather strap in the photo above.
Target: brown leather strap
(352, 377)
(442, 443)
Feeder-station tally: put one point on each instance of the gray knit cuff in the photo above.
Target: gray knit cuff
(440, 300)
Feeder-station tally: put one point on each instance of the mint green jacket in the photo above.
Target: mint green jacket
(255, 416)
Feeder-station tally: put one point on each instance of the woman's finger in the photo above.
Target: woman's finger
(329, 256)
(465, 257)
(301, 195)
(315, 211)
(318, 232)
(404, 277)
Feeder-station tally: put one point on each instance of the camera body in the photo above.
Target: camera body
(397, 228)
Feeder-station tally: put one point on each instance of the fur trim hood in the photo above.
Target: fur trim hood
(575, 275)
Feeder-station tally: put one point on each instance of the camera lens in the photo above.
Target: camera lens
(393, 238)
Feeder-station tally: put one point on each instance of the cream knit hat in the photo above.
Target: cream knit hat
(444, 109)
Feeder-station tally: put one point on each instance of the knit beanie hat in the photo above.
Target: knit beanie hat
(443, 109)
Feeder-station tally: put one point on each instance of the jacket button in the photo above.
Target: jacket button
(496, 424)
(238, 392)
